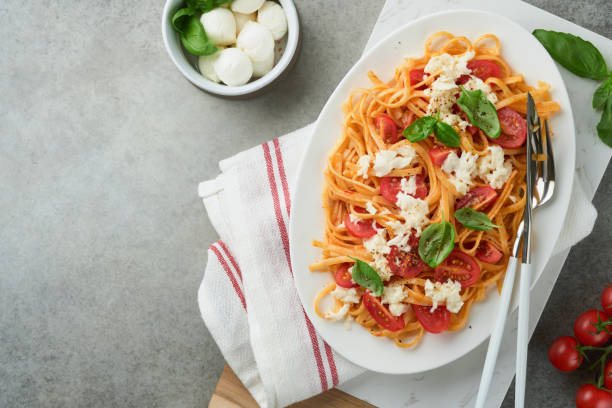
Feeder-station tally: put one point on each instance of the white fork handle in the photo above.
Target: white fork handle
(497, 334)
(522, 341)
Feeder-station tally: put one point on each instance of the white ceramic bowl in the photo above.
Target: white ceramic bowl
(173, 46)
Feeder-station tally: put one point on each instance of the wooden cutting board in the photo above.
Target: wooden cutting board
(230, 393)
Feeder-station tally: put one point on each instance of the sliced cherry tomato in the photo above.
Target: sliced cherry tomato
(563, 354)
(434, 322)
(407, 118)
(359, 229)
(458, 266)
(584, 329)
(484, 69)
(487, 252)
(476, 198)
(381, 314)
(589, 396)
(388, 129)
(462, 79)
(608, 375)
(390, 186)
(472, 129)
(343, 277)
(406, 264)
(606, 300)
(416, 76)
(438, 155)
(513, 129)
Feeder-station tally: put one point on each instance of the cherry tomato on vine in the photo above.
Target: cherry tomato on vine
(608, 375)
(563, 354)
(606, 299)
(589, 396)
(584, 328)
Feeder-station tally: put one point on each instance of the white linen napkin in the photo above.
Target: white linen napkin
(247, 297)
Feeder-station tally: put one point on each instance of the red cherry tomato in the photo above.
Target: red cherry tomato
(606, 299)
(359, 229)
(381, 314)
(589, 396)
(472, 129)
(608, 375)
(438, 155)
(484, 69)
(405, 264)
(458, 266)
(563, 354)
(462, 79)
(407, 118)
(387, 128)
(343, 277)
(435, 322)
(416, 76)
(476, 198)
(390, 186)
(584, 329)
(513, 129)
(487, 252)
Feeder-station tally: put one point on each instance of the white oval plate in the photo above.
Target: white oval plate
(524, 55)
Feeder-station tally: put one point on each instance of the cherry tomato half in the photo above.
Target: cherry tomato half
(343, 277)
(438, 155)
(458, 266)
(381, 314)
(476, 198)
(563, 354)
(416, 76)
(462, 79)
(390, 186)
(407, 118)
(472, 129)
(405, 264)
(606, 299)
(487, 252)
(484, 69)
(589, 396)
(608, 375)
(584, 329)
(513, 129)
(387, 128)
(359, 229)
(435, 322)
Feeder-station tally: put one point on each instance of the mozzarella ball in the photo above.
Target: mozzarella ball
(257, 42)
(220, 26)
(246, 6)
(206, 64)
(242, 19)
(272, 16)
(233, 67)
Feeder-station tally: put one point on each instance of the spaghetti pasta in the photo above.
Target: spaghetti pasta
(352, 191)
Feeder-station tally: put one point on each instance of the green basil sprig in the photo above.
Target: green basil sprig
(421, 128)
(436, 242)
(602, 94)
(186, 22)
(577, 55)
(480, 111)
(364, 275)
(604, 127)
(473, 219)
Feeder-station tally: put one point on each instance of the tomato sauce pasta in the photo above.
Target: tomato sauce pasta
(381, 191)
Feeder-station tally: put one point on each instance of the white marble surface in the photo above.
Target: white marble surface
(462, 377)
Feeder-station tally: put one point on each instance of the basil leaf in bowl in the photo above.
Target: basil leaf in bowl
(602, 94)
(480, 111)
(364, 275)
(473, 219)
(194, 38)
(604, 127)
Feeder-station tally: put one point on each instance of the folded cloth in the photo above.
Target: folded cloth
(248, 298)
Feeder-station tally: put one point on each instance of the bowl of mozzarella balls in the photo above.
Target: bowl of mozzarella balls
(232, 48)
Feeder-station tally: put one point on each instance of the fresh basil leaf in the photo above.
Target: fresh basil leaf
(221, 2)
(202, 6)
(364, 275)
(446, 134)
(473, 219)
(577, 55)
(179, 20)
(420, 129)
(436, 242)
(480, 111)
(604, 127)
(194, 38)
(602, 94)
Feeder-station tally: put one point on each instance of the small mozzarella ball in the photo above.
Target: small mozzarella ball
(233, 67)
(206, 63)
(272, 16)
(242, 19)
(246, 6)
(220, 26)
(262, 67)
(256, 41)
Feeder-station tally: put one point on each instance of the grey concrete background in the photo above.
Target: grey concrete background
(102, 237)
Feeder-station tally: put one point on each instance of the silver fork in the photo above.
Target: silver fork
(544, 184)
